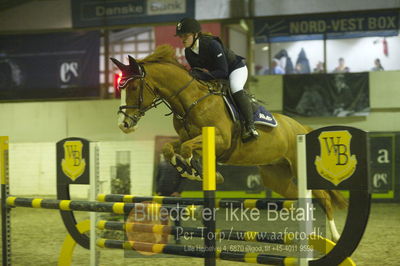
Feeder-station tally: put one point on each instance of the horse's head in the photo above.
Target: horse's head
(136, 95)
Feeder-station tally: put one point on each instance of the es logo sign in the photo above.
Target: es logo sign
(380, 180)
(69, 72)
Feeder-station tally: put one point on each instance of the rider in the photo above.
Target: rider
(208, 53)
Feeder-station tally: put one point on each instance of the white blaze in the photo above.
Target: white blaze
(121, 117)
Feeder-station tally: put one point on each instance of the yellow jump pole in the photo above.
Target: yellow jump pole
(209, 186)
(5, 211)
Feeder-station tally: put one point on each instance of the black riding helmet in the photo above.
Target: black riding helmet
(187, 25)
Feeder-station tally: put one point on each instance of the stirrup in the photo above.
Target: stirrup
(253, 131)
(249, 133)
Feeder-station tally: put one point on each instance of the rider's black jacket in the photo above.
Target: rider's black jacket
(213, 56)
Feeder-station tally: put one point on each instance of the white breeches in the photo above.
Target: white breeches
(237, 79)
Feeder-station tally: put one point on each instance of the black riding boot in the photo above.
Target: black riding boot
(244, 105)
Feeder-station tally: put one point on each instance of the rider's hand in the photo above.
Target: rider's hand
(199, 73)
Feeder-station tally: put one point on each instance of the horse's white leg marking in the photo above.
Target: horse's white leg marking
(334, 232)
(189, 159)
(174, 163)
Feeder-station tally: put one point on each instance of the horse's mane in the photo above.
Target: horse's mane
(163, 54)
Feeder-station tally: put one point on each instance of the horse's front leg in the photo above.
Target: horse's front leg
(170, 149)
(171, 152)
(188, 149)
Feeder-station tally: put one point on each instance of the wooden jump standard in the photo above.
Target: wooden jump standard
(356, 182)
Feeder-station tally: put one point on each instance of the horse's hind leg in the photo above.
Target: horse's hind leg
(278, 177)
(326, 203)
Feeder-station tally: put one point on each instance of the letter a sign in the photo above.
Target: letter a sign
(335, 162)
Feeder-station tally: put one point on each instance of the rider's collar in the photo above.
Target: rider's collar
(195, 46)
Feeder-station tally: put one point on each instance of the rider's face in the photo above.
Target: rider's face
(187, 39)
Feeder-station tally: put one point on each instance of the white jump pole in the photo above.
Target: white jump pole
(93, 192)
(305, 197)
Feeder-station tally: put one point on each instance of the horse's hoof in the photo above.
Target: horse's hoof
(219, 178)
(335, 238)
(168, 151)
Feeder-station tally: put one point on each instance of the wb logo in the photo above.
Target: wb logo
(73, 165)
(335, 163)
(337, 149)
(69, 71)
(74, 154)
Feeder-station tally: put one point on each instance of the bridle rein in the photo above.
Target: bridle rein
(143, 84)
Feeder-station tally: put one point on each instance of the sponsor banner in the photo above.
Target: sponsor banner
(166, 35)
(89, 13)
(266, 29)
(56, 65)
(326, 95)
(385, 166)
(382, 167)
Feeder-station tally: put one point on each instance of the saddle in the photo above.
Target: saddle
(260, 114)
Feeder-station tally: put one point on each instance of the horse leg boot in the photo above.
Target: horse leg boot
(244, 105)
(176, 160)
(196, 171)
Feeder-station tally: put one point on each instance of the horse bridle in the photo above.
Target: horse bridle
(143, 84)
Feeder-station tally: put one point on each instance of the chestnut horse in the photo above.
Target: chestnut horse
(159, 78)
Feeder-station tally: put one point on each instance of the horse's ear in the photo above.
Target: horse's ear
(135, 67)
(121, 66)
(132, 62)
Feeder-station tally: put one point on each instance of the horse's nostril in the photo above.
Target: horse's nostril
(126, 125)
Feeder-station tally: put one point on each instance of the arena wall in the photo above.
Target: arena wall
(33, 150)
(35, 127)
(384, 102)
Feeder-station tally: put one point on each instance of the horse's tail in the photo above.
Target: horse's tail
(308, 128)
(337, 199)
